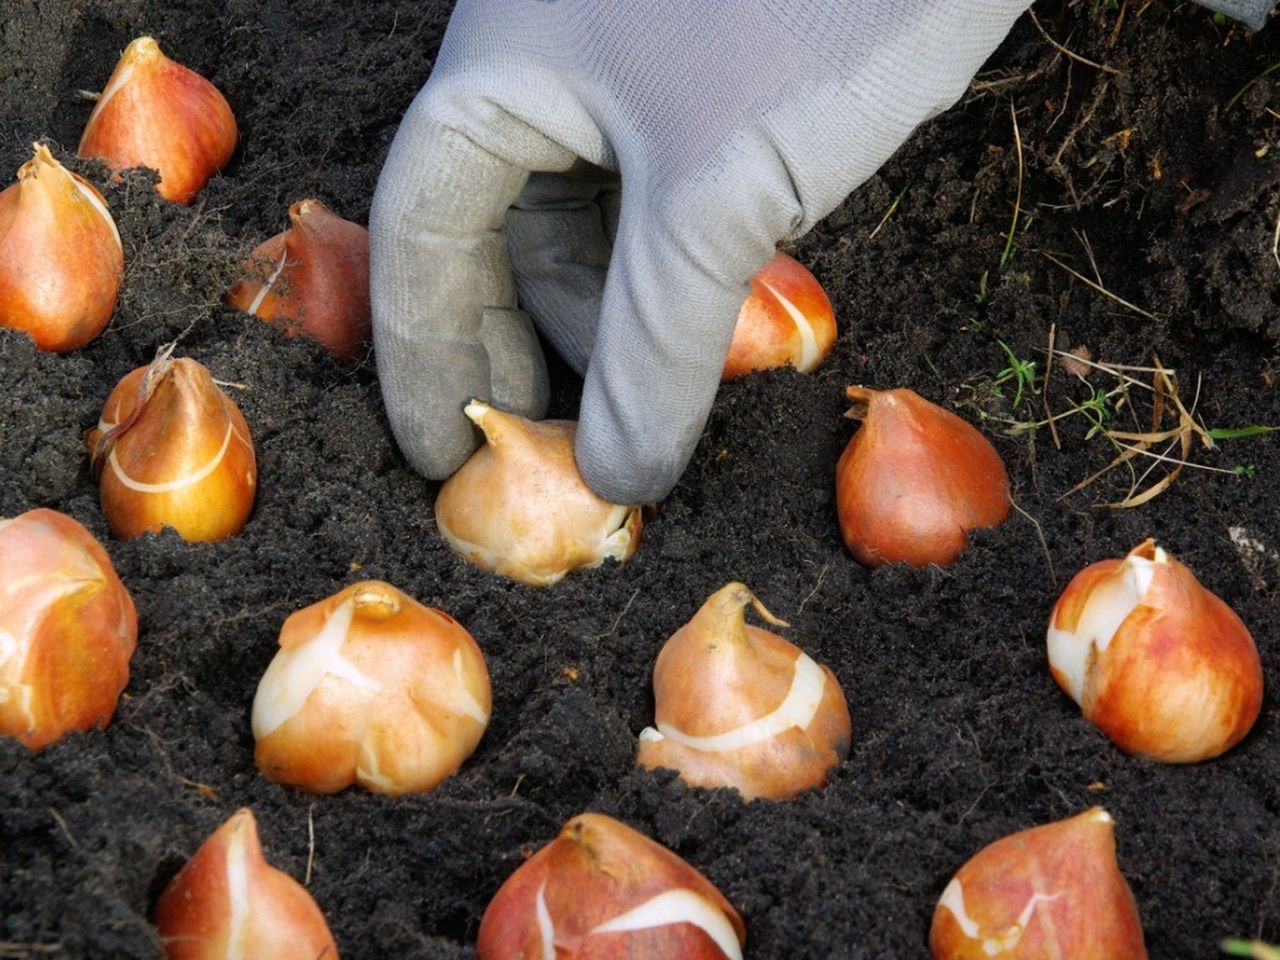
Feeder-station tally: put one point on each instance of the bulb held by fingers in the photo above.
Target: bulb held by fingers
(738, 706)
(1157, 662)
(519, 506)
(787, 320)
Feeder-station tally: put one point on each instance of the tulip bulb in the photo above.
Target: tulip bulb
(602, 890)
(67, 629)
(229, 902)
(738, 706)
(156, 113)
(1157, 662)
(373, 688)
(519, 506)
(172, 450)
(787, 320)
(60, 256)
(313, 280)
(914, 480)
(1051, 891)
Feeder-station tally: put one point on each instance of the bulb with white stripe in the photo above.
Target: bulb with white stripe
(786, 320)
(156, 113)
(739, 706)
(171, 449)
(312, 280)
(1157, 662)
(61, 259)
(371, 688)
(1053, 891)
(228, 903)
(602, 890)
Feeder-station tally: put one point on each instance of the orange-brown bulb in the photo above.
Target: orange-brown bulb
(519, 506)
(787, 320)
(172, 450)
(60, 256)
(312, 280)
(602, 890)
(738, 706)
(370, 687)
(67, 629)
(1157, 662)
(914, 480)
(229, 902)
(1051, 891)
(156, 113)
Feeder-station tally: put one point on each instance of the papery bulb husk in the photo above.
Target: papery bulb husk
(1157, 662)
(914, 480)
(68, 629)
(601, 891)
(61, 259)
(156, 113)
(1048, 892)
(186, 461)
(519, 506)
(312, 280)
(787, 320)
(228, 902)
(372, 688)
(738, 706)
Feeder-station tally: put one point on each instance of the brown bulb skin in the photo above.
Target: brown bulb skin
(1051, 891)
(172, 450)
(786, 320)
(68, 629)
(60, 256)
(156, 113)
(738, 706)
(229, 902)
(914, 480)
(520, 508)
(1157, 662)
(312, 280)
(584, 896)
(372, 688)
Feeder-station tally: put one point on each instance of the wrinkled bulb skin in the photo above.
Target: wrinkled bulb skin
(601, 891)
(371, 688)
(738, 706)
(913, 481)
(312, 280)
(171, 449)
(1157, 662)
(1051, 891)
(227, 901)
(520, 508)
(156, 113)
(68, 629)
(61, 259)
(786, 321)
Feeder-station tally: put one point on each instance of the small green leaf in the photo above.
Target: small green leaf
(1235, 433)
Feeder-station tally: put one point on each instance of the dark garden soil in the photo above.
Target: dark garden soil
(1153, 167)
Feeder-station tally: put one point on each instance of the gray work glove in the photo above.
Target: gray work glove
(675, 142)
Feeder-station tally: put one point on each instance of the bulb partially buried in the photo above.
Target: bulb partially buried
(1051, 891)
(370, 687)
(786, 321)
(172, 450)
(519, 506)
(229, 902)
(738, 706)
(602, 890)
(156, 113)
(312, 280)
(61, 259)
(1157, 662)
(68, 629)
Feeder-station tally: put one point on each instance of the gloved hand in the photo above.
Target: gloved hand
(733, 124)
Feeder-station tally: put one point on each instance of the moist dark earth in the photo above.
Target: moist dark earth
(1150, 172)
